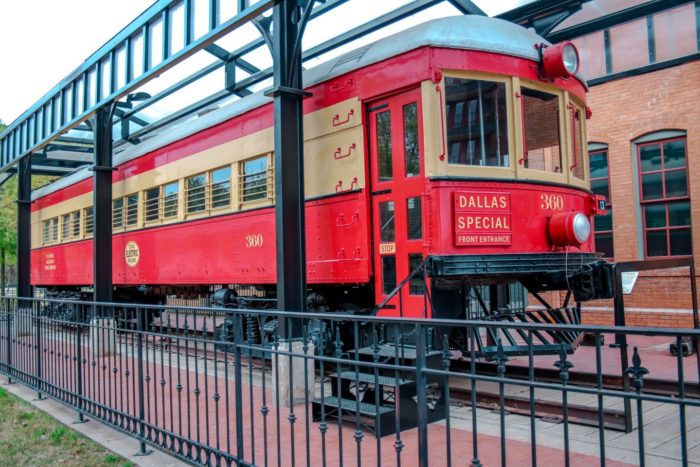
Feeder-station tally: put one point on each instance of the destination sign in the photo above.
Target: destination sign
(482, 218)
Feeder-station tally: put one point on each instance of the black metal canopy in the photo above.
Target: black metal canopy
(54, 131)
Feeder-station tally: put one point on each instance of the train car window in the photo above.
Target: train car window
(253, 183)
(542, 133)
(118, 213)
(417, 282)
(76, 224)
(221, 187)
(413, 210)
(151, 211)
(389, 273)
(386, 220)
(196, 197)
(65, 227)
(410, 139)
(47, 231)
(54, 229)
(477, 122)
(132, 209)
(383, 122)
(170, 193)
(89, 223)
(578, 153)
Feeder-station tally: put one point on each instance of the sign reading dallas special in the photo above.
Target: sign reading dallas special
(482, 218)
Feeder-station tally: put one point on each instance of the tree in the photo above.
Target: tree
(8, 221)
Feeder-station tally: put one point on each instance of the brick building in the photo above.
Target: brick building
(642, 60)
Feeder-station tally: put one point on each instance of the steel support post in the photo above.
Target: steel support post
(24, 193)
(289, 163)
(102, 206)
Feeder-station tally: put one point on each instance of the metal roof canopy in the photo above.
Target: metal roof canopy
(123, 65)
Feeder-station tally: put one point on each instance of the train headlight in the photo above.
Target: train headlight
(569, 228)
(561, 60)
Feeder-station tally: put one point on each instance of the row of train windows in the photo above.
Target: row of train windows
(203, 192)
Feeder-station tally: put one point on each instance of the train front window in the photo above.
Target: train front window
(542, 133)
(477, 122)
(577, 116)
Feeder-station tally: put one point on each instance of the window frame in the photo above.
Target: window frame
(563, 175)
(268, 195)
(664, 200)
(596, 148)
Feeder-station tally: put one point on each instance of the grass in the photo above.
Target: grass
(30, 437)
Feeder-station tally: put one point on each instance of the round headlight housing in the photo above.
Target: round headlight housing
(561, 60)
(569, 229)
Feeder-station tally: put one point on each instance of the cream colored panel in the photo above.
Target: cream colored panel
(332, 159)
(433, 128)
(337, 117)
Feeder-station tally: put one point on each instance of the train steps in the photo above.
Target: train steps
(372, 399)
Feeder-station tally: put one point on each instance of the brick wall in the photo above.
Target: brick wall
(624, 110)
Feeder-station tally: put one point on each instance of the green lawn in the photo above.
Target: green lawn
(30, 437)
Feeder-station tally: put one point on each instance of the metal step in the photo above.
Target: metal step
(352, 406)
(371, 378)
(406, 352)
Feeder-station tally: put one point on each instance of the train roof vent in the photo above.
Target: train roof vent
(354, 56)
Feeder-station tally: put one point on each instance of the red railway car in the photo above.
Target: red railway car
(458, 145)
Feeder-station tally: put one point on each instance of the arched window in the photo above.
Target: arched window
(600, 184)
(662, 163)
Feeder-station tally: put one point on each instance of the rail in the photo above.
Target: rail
(366, 387)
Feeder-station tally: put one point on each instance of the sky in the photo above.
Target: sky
(42, 41)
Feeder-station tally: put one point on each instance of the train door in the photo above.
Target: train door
(398, 181)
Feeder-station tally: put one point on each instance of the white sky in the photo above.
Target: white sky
(42, 41)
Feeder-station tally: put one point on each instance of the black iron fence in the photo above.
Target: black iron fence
(357, 389)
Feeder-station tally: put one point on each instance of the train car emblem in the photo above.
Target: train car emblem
(482, 218)
(132, 254)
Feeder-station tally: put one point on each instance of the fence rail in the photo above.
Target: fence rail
(352, 389)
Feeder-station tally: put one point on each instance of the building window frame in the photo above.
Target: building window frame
(595, 149)
(661, 139)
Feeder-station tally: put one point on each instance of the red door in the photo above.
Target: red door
(398, 182)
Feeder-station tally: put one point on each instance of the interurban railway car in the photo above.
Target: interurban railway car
(456, 147)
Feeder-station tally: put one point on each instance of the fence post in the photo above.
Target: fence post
(79, 362)
(422, 394)
(238, 340)
(37, 335)
(139, 356)
(9, 344)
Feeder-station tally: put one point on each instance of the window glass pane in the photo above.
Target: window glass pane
(679, 213)
(76, 224)
(151, 208)
(674, 32)
(656, 243)
(674, 154)
(118, 213)
(591, 50)
(629, 45)
(655, 215)
(604, 244)
(676, 184)
(196, 187)
(47, 231)
(65, 226)
(416, 283)
(598, 162)
(652, 187)
(170, 199)
(389, 273)
(413, 210)
(384, 145)
(221, 187)
(54, 229)
(601, 187)
(680, 242)
(410, 139)
(577, 155)
(386, 221)
(650, 157)
(132, 209)
(254, 184)
(541, 122)
(477, 121)
(603, 222)
(88, 221)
